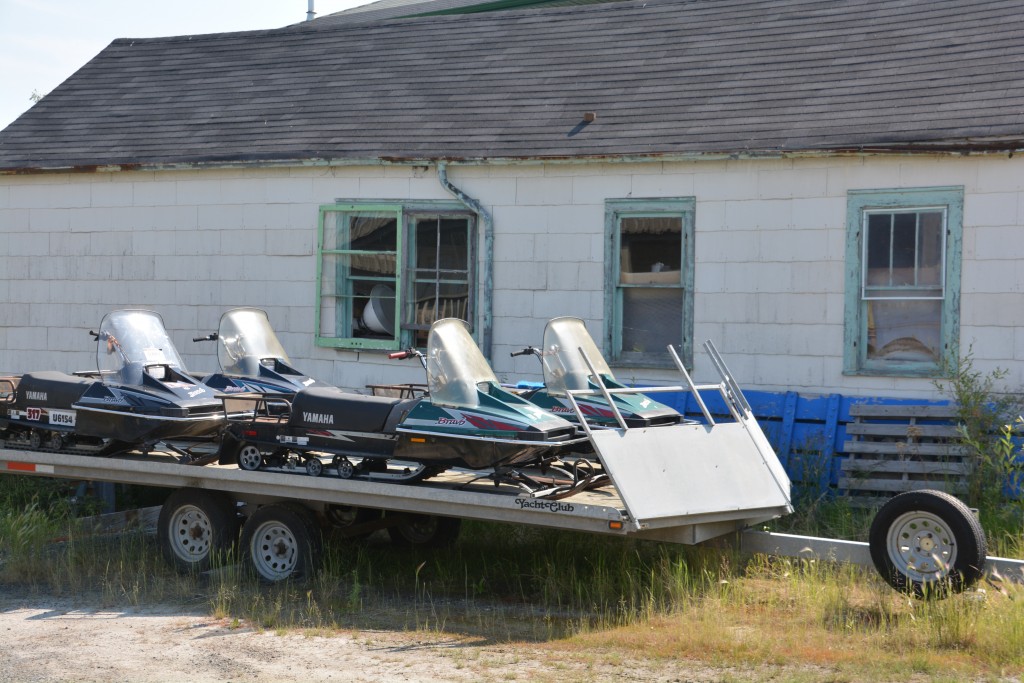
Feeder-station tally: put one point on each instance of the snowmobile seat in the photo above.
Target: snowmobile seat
(52, 388)
(332, 408)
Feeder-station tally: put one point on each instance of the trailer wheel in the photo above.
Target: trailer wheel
(35, 439)
(194, 526)
(281, 542)
(56, 441)
(345, 516)
(927, 543)
(425, 531)
(249, 457)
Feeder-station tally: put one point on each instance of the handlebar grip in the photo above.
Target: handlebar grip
(94, 334)
(398, 355)
(195, 339)
(519, 353)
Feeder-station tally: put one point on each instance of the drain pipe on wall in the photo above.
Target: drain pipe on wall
(488, 279)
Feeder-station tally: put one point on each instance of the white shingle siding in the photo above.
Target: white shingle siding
(769, 241)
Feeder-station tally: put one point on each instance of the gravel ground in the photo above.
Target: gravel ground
(59, 639)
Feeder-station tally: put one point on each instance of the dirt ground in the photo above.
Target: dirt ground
(56, 639)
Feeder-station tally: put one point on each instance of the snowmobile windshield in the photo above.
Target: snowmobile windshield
(131, 340)
(244, 339)
(455, 365)
(564, 367)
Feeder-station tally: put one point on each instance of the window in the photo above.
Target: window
(903, 281)
(382, 264)
(649, 276)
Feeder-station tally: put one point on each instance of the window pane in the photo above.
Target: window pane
(357, 294)
(930, 256)
(904, 247)
(904, 330)
(650, 250)
(370, 231)
(436, 302)
(446, 239)
(652, 318)
(879, 249)
(904, 250)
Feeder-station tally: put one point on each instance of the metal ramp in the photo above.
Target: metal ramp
(701, 479)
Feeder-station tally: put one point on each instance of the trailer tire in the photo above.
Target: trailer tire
(194, 527)
(425, 531)
(281, 542)
(927, 543)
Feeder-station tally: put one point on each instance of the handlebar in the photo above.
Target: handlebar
(528, 351)
(95, 334)
(210, 337)
(408, 353)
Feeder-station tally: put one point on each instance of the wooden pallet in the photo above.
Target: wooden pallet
(894, 448)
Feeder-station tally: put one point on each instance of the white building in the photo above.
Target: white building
(828, 193)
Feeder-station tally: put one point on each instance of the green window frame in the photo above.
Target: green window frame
(903, 253)
(649, 272)
(387, 270)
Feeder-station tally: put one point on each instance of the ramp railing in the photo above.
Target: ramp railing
(727, 388)
(689, 473)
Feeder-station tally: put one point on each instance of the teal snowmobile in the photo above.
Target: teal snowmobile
(467, 420)
(571, 361)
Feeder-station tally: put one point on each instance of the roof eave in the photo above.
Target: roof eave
(969, 148)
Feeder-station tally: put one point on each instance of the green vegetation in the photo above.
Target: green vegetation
(989, 420)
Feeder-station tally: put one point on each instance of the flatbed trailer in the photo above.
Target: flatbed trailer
(681, 483)
(450, 496)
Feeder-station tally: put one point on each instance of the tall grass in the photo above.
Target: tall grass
(581, 594)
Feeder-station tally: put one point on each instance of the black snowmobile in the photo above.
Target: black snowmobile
(140, 395)
(251, 357)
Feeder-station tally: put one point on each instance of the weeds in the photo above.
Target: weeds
(986, 420)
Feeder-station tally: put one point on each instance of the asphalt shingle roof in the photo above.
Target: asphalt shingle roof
(665, 77)
(389, 9)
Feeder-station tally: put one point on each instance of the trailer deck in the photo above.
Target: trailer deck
(455, 493)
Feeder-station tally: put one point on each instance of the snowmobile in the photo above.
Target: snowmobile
(251, 357)
(566, 351)
(467, 420)
(141, 394)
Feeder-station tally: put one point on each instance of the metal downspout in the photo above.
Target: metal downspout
(488, 278)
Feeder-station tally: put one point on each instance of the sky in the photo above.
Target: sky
(43, 42)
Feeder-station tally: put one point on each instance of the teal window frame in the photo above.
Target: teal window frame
(615, 211)
(861, 204)
(333, 289)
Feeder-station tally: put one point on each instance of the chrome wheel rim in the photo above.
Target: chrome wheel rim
(921, 546)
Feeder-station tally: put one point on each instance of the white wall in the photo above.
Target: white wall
(770, 247)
